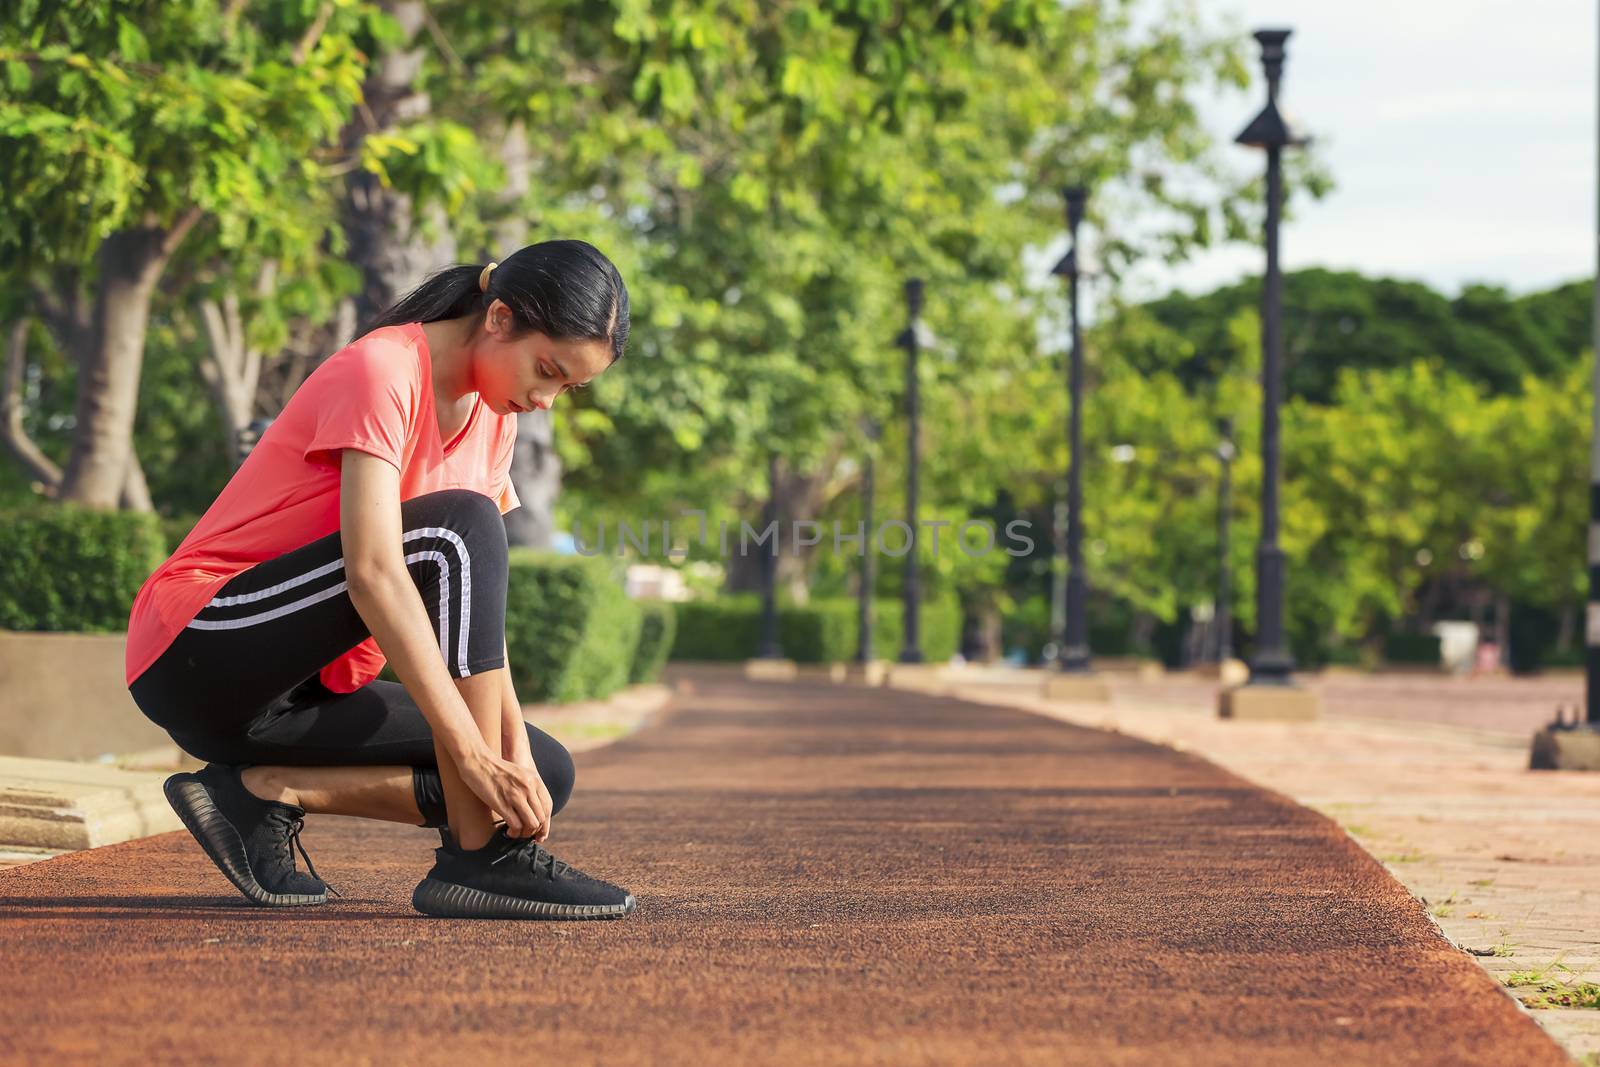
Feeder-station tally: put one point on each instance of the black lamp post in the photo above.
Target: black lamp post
(1058, 577)
(1224, 613)
(1074, 654)
(911, 651)
(770, 648)
(869, 569)
(1272, 663)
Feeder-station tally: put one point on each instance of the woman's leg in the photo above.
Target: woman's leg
(382, 793)
(233, 686)
(369, 753)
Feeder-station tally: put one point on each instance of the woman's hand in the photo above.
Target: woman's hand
(513, 791)
(523, 757)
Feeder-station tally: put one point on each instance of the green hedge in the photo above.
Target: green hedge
(72, 569)
(1411, 648)
(823, 631)
(571, 630)
(656, 634)
(176, 528)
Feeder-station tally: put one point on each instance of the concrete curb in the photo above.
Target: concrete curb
(591, 724)
(53, 804)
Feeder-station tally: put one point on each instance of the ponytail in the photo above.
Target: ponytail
(566, 290)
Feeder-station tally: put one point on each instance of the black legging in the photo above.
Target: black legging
(241, 683)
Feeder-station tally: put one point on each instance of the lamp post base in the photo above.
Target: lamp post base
(872, 673)
(1270, 703)
(1230, 672)
(1077, 687)
(1569, 748)
(771, 670)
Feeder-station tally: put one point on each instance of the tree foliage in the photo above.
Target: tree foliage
(1336, 320)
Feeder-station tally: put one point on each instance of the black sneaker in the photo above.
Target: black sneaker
(252, 841)
(513, 879)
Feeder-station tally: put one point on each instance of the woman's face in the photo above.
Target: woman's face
(528, 372)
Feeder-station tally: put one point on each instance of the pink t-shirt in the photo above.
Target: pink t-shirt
(375, 395)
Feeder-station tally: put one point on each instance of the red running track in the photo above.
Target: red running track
(826, 875)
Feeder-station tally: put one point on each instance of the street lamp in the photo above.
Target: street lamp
(869, 570)
(1272, 663)
(911, 650)
(1074, 654)
(1224, 614)
(770, 648)
(1058, 578)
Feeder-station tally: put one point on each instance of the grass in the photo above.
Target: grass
(1411, 856)
(1554, 986)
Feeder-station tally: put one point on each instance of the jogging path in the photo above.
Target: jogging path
(826, 875)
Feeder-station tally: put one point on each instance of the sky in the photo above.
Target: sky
(1460, 135)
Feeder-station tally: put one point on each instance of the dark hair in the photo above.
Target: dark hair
(567, 290)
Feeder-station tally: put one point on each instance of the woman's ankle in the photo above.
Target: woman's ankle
(265, 783)
(472, 838)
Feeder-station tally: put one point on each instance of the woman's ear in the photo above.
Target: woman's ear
(500, 320)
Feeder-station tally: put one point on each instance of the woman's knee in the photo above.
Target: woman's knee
(459, 509)
(555, 766)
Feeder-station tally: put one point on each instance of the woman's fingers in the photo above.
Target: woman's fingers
(521, 799)
(527, 821)
(546, 805)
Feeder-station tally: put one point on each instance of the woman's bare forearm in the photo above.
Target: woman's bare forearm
(388, 602)
(513, 730)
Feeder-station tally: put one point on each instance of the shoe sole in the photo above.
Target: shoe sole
(447, 900)
(220, 841)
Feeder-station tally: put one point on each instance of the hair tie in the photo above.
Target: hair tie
(483, 278)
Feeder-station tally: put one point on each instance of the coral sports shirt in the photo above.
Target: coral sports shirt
(375, 395)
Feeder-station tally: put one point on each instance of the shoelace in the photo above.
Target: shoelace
(291, 826)
(534, 857)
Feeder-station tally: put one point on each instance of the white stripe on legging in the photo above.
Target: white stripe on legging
(325, 594)
(334, 590)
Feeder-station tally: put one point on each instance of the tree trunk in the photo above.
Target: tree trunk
(1502, 628)
(311, 343)
(535, 467)
(379, 221)
(800, 498)
(231, 367)
(1144, 628)
(1569, 627)
(100, 467)
(135, 495)
(45, 474)
(536, 473)
(990, 627)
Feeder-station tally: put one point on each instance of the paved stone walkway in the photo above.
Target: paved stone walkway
(827, 875)
(1430, 776)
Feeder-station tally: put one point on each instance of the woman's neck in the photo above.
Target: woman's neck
(450, 353)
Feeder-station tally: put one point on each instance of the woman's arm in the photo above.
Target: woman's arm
(513, 730)
(388, 602)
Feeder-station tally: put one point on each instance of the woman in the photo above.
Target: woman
(366, 525)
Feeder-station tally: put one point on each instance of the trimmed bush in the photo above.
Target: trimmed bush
(176, 528)
(73, 569)
(1411, 648)
(656, 634)
(571, 630)
(823, 631)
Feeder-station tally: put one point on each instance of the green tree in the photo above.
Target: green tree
(1336, 320)
(124, 128)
